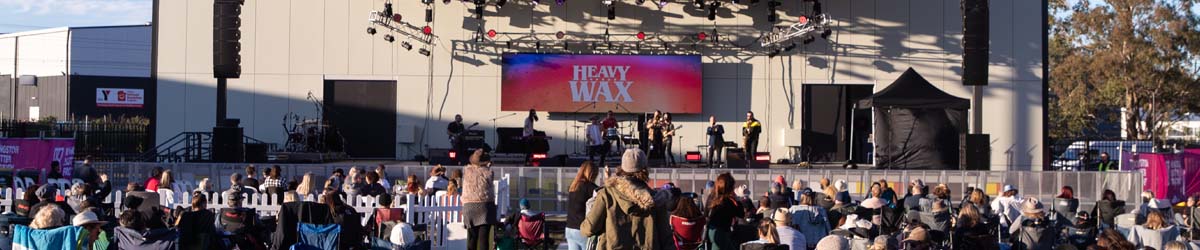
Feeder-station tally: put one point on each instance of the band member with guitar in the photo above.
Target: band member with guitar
(455, 131)
(668, 129)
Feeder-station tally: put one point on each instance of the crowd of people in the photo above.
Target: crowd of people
(623, 211)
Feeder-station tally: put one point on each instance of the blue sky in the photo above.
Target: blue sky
(22, 15)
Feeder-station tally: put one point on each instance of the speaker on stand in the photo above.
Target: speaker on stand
(975, 152)
(975, 42)
(227, 145)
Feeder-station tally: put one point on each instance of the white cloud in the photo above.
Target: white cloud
(80, 7)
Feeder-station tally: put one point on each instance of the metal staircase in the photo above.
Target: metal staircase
(191, 147)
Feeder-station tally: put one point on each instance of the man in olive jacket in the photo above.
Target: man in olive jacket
(626, 213)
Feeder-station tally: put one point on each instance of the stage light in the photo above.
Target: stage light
(560, 35)
(566, 45)
(427, 1)
(790, 47)
(406, 45)
(712, 10)
(537, 45)
(773, 53)
(424, 52)
(641, 35)
(607, 2)
(701, 36)
(772, 17)
(535, 2)
(612, 12)
(371, 30)
(479, 12)
(560, 2)
(446, 2)
(500, 3)
(387, 10)
(389, 38)
(508, 44)
(698, 3)
(428, 15)
(803, 19)
(397, 18)
(491, 33)
(640, 2)
(808, 39)
(453, 155)
(825, 35)
(427, 30)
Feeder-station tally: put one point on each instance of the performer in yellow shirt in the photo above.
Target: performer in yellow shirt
(750, 131)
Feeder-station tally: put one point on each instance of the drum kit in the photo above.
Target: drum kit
(612, 136)
(310, 135)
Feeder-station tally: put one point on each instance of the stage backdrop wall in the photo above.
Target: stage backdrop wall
(291, 47)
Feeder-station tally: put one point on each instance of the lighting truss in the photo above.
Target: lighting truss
(806, 28)
(399, 26)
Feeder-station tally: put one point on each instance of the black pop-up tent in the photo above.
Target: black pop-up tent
(917, 125)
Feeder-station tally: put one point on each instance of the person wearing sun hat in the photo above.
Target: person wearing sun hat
(787, 234)
(94, 236)
(1007, 206)
(918, 238)
(1033, 230)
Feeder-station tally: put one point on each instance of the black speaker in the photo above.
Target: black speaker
(441, 156)
(975, 153)
(227, 144)
(227, 22)
(975, 42)
(735, 158)
(256, 152)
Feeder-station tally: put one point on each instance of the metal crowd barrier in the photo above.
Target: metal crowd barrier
(546, 187)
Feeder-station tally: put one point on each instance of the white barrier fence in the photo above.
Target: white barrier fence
(440, 213)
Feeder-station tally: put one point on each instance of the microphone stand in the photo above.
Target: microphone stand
(493, 120)
(575, 136)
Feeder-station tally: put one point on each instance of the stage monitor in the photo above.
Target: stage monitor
(599, 83)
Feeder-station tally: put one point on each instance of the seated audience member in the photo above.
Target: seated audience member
(402, 234)
(768, 238)
(373, 187)
(788, 235)
(29, 198)
(46, 196)
(47, 218)
(196, 228)
(93, 236)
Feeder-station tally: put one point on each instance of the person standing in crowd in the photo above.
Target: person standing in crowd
(478, 198)
(626, 213)
(271, 183)
(716, 140)
(152, 181)
(595, 138)
(86, 173)
(750, 131)
(787, 235)
(196, 229)
(1105, 164)
(46, 196)
(1156, 232)
(55, 171)
(437, 180)
(582, 189)
(1032, 229)
(723, 209)
(250, 181)
(971, 231)
(1007, 206)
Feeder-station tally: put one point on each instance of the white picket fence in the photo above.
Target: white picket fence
(441, 213)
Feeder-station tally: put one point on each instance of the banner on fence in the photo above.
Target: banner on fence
(1162, 173)
(32, 154)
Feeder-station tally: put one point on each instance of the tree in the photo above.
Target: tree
(1141, 57)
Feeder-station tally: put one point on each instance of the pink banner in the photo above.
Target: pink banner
(1163, 173)
(1191, 171)
(25, 154)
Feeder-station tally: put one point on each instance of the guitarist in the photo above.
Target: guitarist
(455, 130)
(668, 130)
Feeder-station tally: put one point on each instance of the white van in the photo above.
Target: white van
(1069, 159)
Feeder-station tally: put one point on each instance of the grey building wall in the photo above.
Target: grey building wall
(50, 95)
(289, 48)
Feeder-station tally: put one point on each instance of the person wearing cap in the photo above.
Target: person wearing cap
(788, 235)
(918, 238)
(46, 195)
(1007, 206)
(1156, 232)
(1033, 229)
(478, 198)
(93, 236)
(842, 208)
(627, 213)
